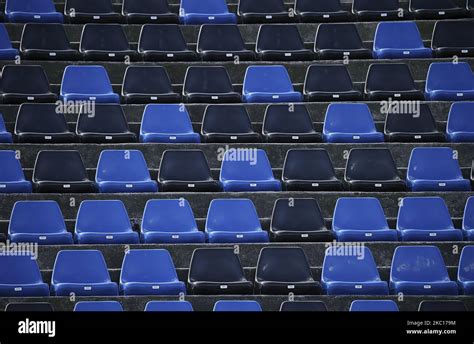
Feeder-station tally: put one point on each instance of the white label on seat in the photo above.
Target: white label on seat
(464, 51)
(42, 237)
(18, 288)
(233, 137)
(441, 13)
(275, 96)
(52, 54)
(287, 54)
(239, 236)
(346, 53)
(253, 185)
(356, 137)
(66, 186)
(111, 54)
(30, 98)
(326, 16)
(229, 55)
(155, 287)
(315, 185)
(108, 137)
(295, 137)
(109, 237)
(87, 288)
(215, 97)
(191, 185)
(358, 286)
(96, 17)
(153, 98)
(172, 137)
(37, 16)
(335, 96)
(427, 286)
(211, 18)
(291, 286)
(169, 55)
(460, 94)
(153, 17)
(397, 95)
(92, 98)
(304, 235)
(417, 137)
(406, 53)
(268, 17)
(223, 286)
(383, 14)
(432, 234)
(442, 184)
(378, 185)
(2, 186)
(368, 234)
(175, 236)
(129, 186)
(47, 137)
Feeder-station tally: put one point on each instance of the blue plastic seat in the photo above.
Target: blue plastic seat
(82, 272)
(123, 171)
(146, 11)
(20, 276)
(104, 222)
(169, 221)
(367, 10)
(7, 52)
(460, 127)
(12, 179)
(167, 123)
(5, 136)
(168, 306)
(24, 11)
(233, 221)
(192, 12)
(361, 219)
(350, 123)
(399, 41)
(449, 81)
(351, 274)
(149, 272)
(420, 270)
(435, 169)
(98, 89)
(237, 306)
(468, 219)
(40, 222)
(373, 306)
(269, 84)
(98, 306)
(247, 170)
(303, 306)
(465, 271)
(413, 225)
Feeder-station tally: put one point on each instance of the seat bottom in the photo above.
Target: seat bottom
(173, 237)
(221, 288)
(313, 185)
(284, 288)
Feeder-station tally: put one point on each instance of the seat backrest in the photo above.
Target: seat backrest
(89, 6)
(465, 271)
(373, 306)
(280, 118)
(237, 306)
(148, 266)
(207, 79)
(107, 119)
(447, 76)
(220, 37)
(297, 214)
(24, 79)
(412, 121)
(318, 6)
(80, 266)
(209, 7)
(29, 307)
(308, 164)
(381, 5)
(468, 219)
(102, 216)
(74, 76)
(49, 36)
(390, 77)
(412, 210)
(166, 119)
(122, 165)
(337, 36)
(442, 306)
(370, 164)
(279, 37)
(232, 215)
(29, 6)
(328, 77)
(303, 306)
(147, 80)
(245, 165)
(216, 265)
(185, 165)
(40, 118)
(106, 37)
(461, 117)
(433, 163)
(283, 264)
(401, 35)
(36, 217)
(261, 6)
(360, 213)
(348, 118)
(168, 306)
(19, 270)
(11, 167)
(226, 119)
(162, 37)
(98, 306)
(268, 78)
(453, 33)
(61, 166)
(145, 6)
(5, 42)
(168, 215)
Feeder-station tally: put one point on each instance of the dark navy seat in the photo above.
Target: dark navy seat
(186, 171)
(192, 12)
(434, 9)
(148, 11)
(298, 220)
(465, 271)
(453, 38)
(215, 271)
(12, 179)
(273, 11)
(468, 219)
(5, 136)
(98, 306)
(233, 221)
(442, 306)
(29, 307)
(310, 11)
(25, 11)
(61, 171)
(168, 306)
(309, 170)
(88, 11)
(237, 306)
(40, 222)
(303, 306)
(366, 10)
(460, 126)
(104, 222)
(7, 52)
(149, 272)
(169, 221)
(20, 276)
(373, 306)
(449, 81)
(281, 43)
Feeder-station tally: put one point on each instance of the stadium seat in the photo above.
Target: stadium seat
(415, 124)
(372, 169)
(5, 136)
(107, 124)
(284, 270)
(391, 81)
(233, 221)
(350, 123)
(268, 11)
(460, 126)
(99, 89)
(412, 226)
(310, 11)
(20, 276)
(268, 84)
(209, 84)
(373, 306)
(468, 220)
(288, 123)
(442, 306)
(366, 10)
(39, 222)
(399, 41)
(123, 171)
(247, 170)
(192, 12)
(309, 170)
(281, 43)
(420, 270)
(227, 124)
(361, 219)
(98, 306)
(167, 123)
(33, 46)
(215, 271)
(237, 306)
(24, 11)
(351, 274)
(435, 169)
(434, 9)
(169, 221)
(329, 82)
(148, 84)
(221, 42)
(465, 271)
(453, 38)
(82, 272)
(25, 84)
(29, 307)
(7, 52)
(338, 41)
(186, 171)
(298, 220)
(168, 306)
(104, 222)
(149, 272)
(12, 179)
(164, 43)
(146, 11)
(303, 306)
(61, 171)
(88, 11)
(105, 42)
(449, 81)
